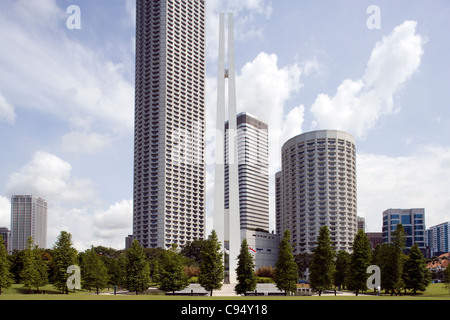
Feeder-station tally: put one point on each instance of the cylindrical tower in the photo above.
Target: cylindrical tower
(318, 187)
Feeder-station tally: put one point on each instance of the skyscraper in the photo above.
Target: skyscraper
(28, 219)
(253, 171)
(169, 164)
(318, 188)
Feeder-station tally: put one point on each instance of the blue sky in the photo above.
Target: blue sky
(67, 101)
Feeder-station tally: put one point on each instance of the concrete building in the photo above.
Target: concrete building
(318, 188)
(438, 239)
(253, 162)
(263, 246)
(412, 220)
(169, 146)
(375, 238)
(28, 219)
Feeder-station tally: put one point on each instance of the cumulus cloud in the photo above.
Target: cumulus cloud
(358, 104)
(421, 180)
(49, 176)
(114, 220)
(7, 113)
(263, 90)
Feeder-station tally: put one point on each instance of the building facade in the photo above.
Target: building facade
(253, 171)
(6, 235)
(412, 220)
(169, 147)
(438, 239)
(263, 246)
(318, 188)
(28, 219)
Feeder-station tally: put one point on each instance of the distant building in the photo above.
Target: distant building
(128, 241)
(375, 238)
(361, 223)
(438, 239)
(6, 234)
(412, 220)
(28, 219)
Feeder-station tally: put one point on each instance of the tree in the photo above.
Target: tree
(389, 257)
(302, 260)
(64, 255)
(416, 276)
(171, 271)
(447, 277)
(359, 262)
(34, 272)
(245, 270)
(137, 269)
(6, 278)
(211, 265)
(95, 272)
(192, 251)
(321, 268)
(286, 270)
(341, 269)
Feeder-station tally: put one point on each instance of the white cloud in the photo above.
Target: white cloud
(83, 142)
(5, 212)
(116, 220)
(48, 176)
(421, 180)
(263, 89)
(358, 104)
(7, 113)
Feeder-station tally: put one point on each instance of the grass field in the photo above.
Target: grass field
(435, 291)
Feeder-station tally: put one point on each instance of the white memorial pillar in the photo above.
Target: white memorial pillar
(227, 222)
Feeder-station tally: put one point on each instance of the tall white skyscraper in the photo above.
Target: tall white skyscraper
(28, 219)
(253, 168)
(169, 148)
(317, 187)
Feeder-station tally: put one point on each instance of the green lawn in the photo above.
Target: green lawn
(435, 291)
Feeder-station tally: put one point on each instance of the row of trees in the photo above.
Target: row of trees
(136, 268)
(342, 269)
